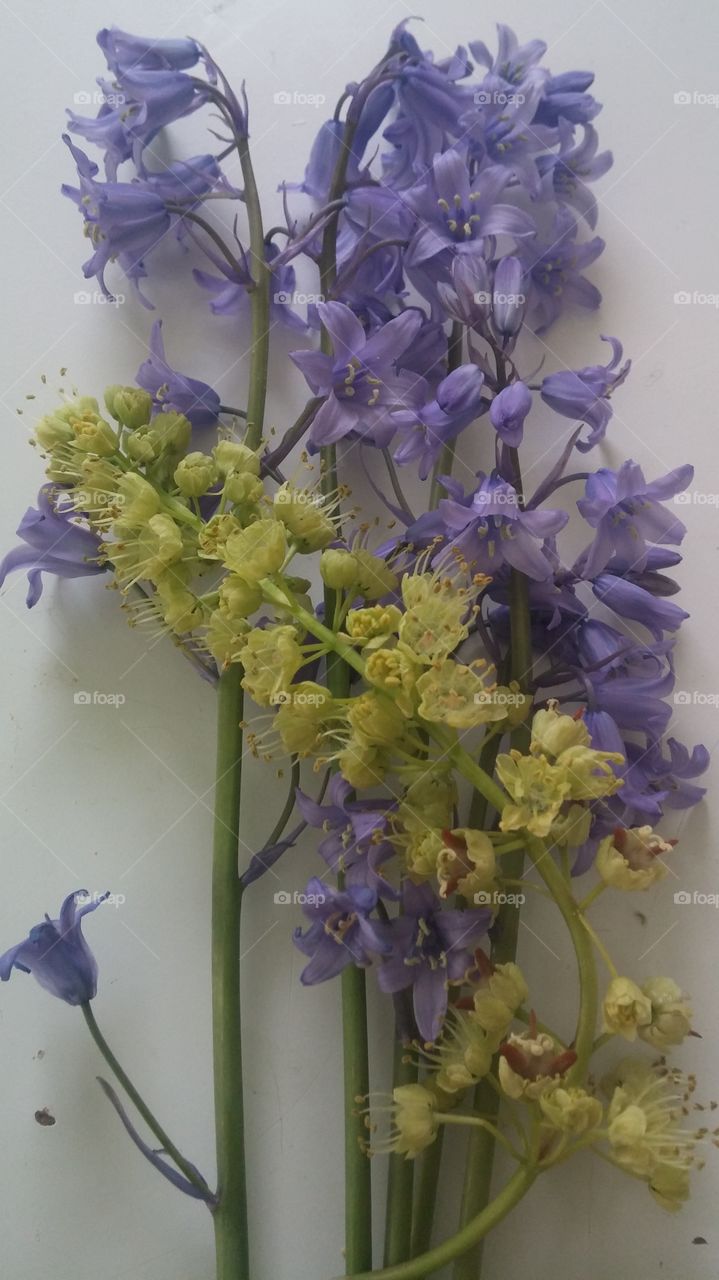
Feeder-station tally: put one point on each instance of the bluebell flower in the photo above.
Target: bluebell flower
(501, 131)
(360, 379)
(632, 601)
(52, 542)
(583, 394)
(355, 840)
(431, 947)
(124, 51)
(340, 932)
(56, 953)
(172, 390)
(554, 263)
(508, 298)
(123, 220)
(565, 98)
(230, 290)
(627, 513)
(456, 403)
(456, 213)
(490, 529)
(508, 411)
(575, 164)
(512, 61)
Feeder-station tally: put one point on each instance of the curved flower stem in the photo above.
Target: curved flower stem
(427, 1263)
(139, 1103)
(231, 1234)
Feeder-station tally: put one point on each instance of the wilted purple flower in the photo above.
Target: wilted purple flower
(56, 953)
(456, 402)
(163, 1166)
(457, 213)
(565, 97)
(53, 543)
(583, 394)
(572, 167)
(354, 842)
(360, 380)
(508, 411)
(172, 390)
(340, 931)
(554, 262)
(490, 529)
(430, 948)
(627, 513)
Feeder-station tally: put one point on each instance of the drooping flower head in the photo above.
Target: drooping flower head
(56, 953)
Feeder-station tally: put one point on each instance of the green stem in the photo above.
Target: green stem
(231, 1235)
(427, 1263)
(141, 1106)
(400, 1178)
(358, 1187)
(425, 1202)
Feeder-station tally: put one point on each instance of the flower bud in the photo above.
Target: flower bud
(238, 599)
(271, 658)
(143, 445)
(305, 517)
(230, 455)
(172, 430)
(130, 406)
(213, 536)
(257, 551)
(375, 579)
(361, 765)
(375, 719)
(626, 1008)
(415, 1121)
(300, 721)
(671, 1014)
(571, 1110)
(138, 501)
(339, 570)
(93, 434)
(243, 488)
(195, 474)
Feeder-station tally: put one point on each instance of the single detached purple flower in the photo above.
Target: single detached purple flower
(455, 404)
(52, 543)
(627, 513)
(172, 390)
(490, 529)
(360, 380)
(56, 953)
(583, 394)
(340, 931)
(431, 947)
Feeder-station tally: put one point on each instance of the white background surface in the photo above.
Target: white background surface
(95, 797)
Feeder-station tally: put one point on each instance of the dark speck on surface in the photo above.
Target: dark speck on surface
(44, 1118)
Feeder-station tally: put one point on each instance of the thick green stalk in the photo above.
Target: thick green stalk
(426, 1198)
(400, 1178)
(166, 1143)
(231, 1235)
